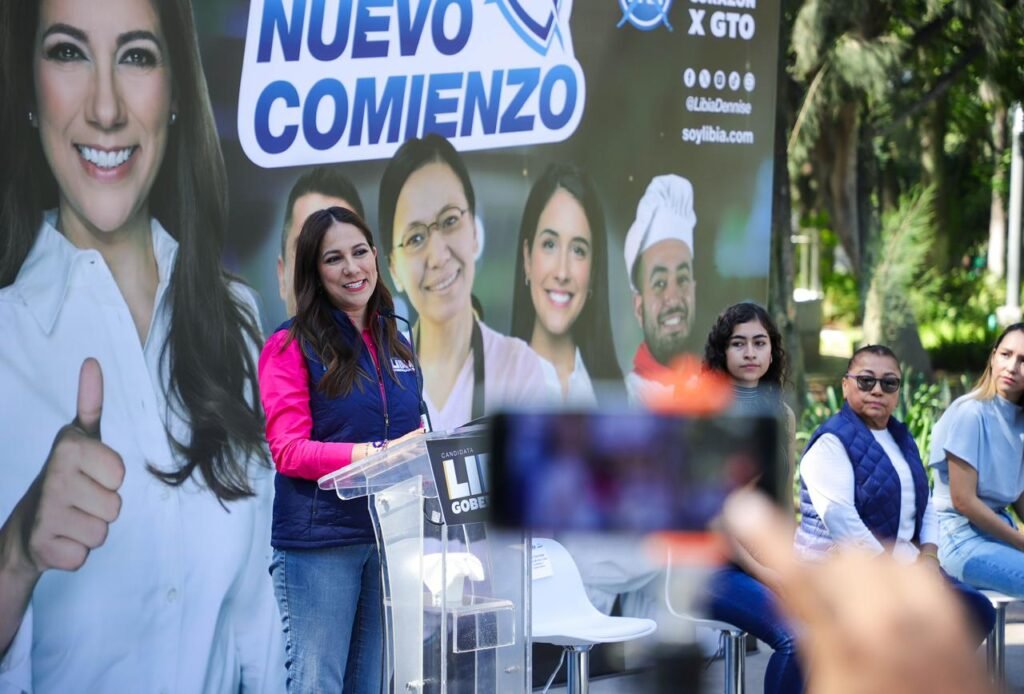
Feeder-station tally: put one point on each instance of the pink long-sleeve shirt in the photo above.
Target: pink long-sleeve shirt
(284, 391)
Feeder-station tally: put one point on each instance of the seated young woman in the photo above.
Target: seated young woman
(745, 345)
(977, 448)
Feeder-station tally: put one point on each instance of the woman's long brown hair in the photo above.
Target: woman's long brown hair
(315, 326)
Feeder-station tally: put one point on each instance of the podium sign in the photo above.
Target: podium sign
(456, 591)
(460, 467)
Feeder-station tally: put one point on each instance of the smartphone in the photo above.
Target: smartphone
(626, 471)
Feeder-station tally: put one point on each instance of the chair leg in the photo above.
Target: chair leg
(735, 662)
(997, 645)
(577, 669)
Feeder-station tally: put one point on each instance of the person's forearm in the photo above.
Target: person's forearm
(17, 581)
(989, 522)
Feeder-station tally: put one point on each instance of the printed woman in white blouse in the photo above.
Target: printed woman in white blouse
(560, 300)
(134, 487)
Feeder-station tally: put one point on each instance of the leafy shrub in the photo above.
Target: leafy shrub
(955, 312)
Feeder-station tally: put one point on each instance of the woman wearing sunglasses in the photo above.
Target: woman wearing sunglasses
(863, 483)
(977, 448)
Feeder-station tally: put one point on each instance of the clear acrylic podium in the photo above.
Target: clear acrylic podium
(456, 591)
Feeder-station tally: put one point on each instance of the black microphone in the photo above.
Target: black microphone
(424, 414)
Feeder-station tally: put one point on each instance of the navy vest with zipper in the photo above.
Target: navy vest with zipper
(377, 408)
(877, 489)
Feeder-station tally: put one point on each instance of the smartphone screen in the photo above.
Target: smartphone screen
(625, 471)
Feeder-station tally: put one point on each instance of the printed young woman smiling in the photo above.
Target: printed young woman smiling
(560, 300)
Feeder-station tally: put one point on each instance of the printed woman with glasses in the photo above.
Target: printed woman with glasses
(863, 484)
(977, 451)
(427, 211)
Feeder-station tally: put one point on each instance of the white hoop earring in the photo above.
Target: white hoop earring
(174, 117)
(32, 119)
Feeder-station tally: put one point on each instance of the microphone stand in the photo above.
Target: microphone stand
(431, 505)
(424, 414)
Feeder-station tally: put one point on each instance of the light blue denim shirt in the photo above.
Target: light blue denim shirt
(988, 435)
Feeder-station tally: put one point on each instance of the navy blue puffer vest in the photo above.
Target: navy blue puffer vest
(877, 490)
(378, 408)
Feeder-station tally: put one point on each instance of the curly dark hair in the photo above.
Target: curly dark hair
(777, 374)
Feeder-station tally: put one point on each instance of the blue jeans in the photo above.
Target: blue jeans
(979, 559)
(737, 598)
(330, 601)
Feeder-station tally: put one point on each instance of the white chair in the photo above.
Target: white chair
(996, 641)
(734, 639)
(562, 615)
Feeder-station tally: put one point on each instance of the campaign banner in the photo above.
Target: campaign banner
(662, 112)
(560, 196)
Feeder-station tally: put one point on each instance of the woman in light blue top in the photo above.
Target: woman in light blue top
(978, 455)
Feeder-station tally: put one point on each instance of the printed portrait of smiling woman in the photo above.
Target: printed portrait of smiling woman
(133, 460)
(427, 210)
(560, 300)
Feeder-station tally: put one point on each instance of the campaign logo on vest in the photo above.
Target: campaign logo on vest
(402, 365)
(460, 471)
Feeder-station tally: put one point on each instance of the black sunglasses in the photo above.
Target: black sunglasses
(890, 384)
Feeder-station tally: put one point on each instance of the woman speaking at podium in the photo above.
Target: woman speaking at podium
(338, 383)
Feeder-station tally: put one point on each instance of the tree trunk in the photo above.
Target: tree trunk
(997, 209)
(933, 159)
(888, 319)
(835, 165)
(780, 282)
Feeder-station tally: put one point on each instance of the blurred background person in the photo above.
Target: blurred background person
(863, 483)
(317, 189)
(132, 438)
(659, 264)
(337, 384)
(745, 344)
(560, 306)
(427, 220)
(977, 453)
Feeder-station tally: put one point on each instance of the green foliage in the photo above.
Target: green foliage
(842, 298)
(955, 313)
(898, 258)
(866, 66)
(893, 77)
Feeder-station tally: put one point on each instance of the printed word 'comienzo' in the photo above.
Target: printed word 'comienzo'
(353, 79)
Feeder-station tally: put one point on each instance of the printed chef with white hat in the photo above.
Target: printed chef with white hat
(659, 263)
(659, 259)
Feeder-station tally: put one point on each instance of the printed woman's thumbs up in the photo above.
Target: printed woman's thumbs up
(67, 511)
(90, 397)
